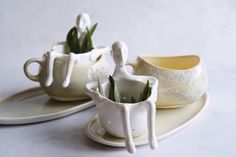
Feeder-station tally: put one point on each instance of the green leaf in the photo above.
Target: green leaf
(73, 41)
(66, 49)
(69, 36)
(83, 45)
(93, 28)
(89, 40)
(133, 100)
(87, 44)
(100, 87)
(146, 92)
(114, 93)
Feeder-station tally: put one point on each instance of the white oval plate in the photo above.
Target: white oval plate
(168, 121)
(34, 105)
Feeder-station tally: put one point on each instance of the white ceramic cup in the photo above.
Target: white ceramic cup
(65, 84)
(126, 120)
(182, 79)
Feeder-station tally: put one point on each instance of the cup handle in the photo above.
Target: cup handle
(27, 73)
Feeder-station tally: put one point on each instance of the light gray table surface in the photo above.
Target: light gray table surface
(162, 27)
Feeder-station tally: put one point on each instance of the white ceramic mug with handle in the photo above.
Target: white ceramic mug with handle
(63, 76)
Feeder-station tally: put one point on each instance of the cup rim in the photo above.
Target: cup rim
(102, 97)
(169, 69)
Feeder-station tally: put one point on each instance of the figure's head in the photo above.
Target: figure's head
(119, 52)
(82, 21)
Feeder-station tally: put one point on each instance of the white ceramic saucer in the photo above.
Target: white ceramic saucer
(168, 121)
(34, 105)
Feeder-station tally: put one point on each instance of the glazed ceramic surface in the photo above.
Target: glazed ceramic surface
(126, 120)
(182, 79)
(169, 121)
(34, 105)
(63, 76)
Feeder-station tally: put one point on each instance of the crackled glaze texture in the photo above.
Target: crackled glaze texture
(178, 86)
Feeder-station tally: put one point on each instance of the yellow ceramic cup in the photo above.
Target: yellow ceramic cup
(182, 79)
